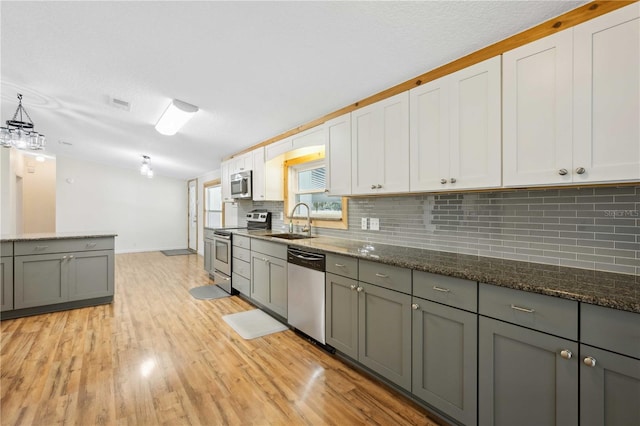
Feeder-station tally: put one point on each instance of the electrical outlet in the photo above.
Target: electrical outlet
(364, 223)
(374, 224)
(281, 215)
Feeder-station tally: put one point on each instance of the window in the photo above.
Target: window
(213, 206)
(306, 182)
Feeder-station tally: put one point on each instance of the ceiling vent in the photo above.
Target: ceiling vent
(120, 104)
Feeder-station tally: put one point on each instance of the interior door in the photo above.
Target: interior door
(193, 214)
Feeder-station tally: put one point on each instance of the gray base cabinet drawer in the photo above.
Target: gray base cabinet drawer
(241, 241)
(272, 249)
(240, 283)
(387, 276)
(241, 268)
(242, 254)
(456, 292)
(610, 329)
(543, 313)
(6, 249)
(342, 265)
(25, 248)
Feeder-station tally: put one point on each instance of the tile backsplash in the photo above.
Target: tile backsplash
(591, 228)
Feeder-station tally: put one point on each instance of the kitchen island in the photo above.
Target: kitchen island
(51, 272)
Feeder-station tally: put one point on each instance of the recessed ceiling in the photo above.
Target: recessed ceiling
(255, 69)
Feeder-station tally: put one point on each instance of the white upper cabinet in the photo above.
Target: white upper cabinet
(380, 147)
(338, 154)
(241, 163)
(571, 104)
(455, 130)
(310, 137)
(258, 175)
(536, 112)
(606, 106)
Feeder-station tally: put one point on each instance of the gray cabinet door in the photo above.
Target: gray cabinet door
(610, 390)
(40, 280)
(522, 377)
(260, 278)
(208, 253)
(445, 359)
(384, 333)
(6, 284)
(278, 290)
(342, 314)
(90, 274)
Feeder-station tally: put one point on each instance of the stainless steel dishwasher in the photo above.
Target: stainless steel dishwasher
(305, 302)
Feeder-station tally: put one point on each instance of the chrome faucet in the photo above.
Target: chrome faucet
(307, 227)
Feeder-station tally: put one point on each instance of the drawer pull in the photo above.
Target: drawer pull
(444, 290)
(71, 257)
(518, 308)
(339, 265)
(91, 245)
(352, 287)
(566, 354)
(590, 361)
(64, 257)
(415, 306)
(41, 247)
(381, 275)
(359, 289)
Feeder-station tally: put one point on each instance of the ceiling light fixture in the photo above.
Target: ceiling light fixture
(145, 168)
(175, 116)
(19, 133)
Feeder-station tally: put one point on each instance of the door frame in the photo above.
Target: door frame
(188, 213)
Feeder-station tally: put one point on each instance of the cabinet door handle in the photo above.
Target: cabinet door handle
(352, 287)
(443, 181)
(580, 170)
(444, 290)
(373, 187)
(42, 247)
(527, 310)
(415, 306)
(563, 172)
(381, 275)
(339, 265)
(71, 257)
(452, 180)
(91, 245)
(359, 289)
(378, 186)
(590, 361)
(64, 257)
(566, 354)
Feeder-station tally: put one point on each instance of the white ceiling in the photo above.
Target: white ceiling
(255, 69)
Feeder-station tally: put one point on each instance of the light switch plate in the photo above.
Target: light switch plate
(374, 224)
(364, 223)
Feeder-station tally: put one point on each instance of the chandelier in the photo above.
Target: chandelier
(145, 168)
(19, 132)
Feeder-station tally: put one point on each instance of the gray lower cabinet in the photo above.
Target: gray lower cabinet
(523, 377)
(444, 366)
(208, 255)
(49, 279)
(342, 313)
(384, 332)
(609, 388)
(6, 284)
(269, 282)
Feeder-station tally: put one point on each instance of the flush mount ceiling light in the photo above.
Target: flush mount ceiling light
(175, 116)
(145, 168)
(19, 133)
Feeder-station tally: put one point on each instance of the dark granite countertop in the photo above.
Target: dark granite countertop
(55, 236)
(618, 291)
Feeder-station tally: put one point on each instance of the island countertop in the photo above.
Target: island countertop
(55, 236)
(608, 289)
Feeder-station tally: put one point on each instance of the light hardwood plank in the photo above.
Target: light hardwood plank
(157, 356)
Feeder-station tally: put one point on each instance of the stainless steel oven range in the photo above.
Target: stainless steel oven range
(222, 246)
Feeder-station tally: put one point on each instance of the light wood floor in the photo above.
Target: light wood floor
(158, 356)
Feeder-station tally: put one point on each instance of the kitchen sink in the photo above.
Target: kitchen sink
(289, 236)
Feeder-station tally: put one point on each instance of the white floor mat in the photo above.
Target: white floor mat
(253, 323)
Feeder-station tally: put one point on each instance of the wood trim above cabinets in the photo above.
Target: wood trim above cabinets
(567, 20)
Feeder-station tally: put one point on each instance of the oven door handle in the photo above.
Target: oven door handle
(222, 237)
(222, 277)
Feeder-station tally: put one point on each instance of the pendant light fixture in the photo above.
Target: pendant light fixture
(19, 132)
(145, 168)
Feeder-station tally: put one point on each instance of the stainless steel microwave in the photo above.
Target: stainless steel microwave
(241, 185)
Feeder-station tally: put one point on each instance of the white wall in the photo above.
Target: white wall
(147, 214)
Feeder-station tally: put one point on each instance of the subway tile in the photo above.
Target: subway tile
(560, 255)
(545, 260)
(577, 264)
(627, 230)
(621, 269)
(621, 190)
(615, 252)
(577, 249)
(616, 221)
(595, 258)
(614, 237)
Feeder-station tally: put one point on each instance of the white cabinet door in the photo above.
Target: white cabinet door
(476, 149)
(242, 163)
(606, 103)
(380, 147)
(537, 112)
(430, 128)
(455, 130)
(258, 175)
(225, 181)
(338, 154)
